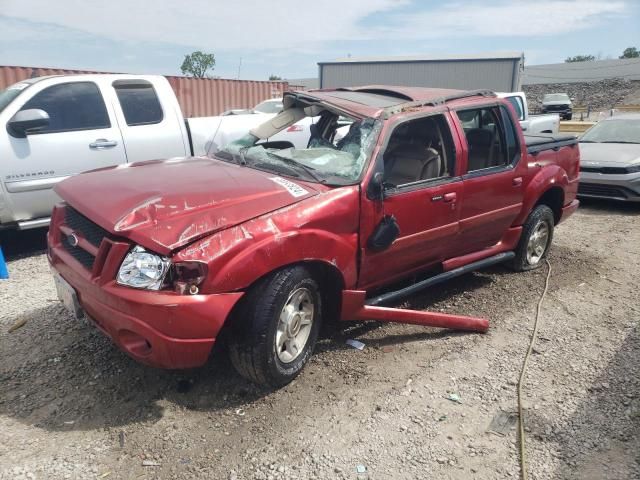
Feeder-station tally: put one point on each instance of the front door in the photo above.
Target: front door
(423, 192)
(82, 135)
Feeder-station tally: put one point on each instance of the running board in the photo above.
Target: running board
(355, 306)
(442, 277)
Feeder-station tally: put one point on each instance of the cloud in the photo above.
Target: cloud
(502, 19)
(207, 24)
(291, 24)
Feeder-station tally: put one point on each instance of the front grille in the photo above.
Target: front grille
(82, 256)
(81, 224)
(609, 191)
(605, 170)
(556, 108)
(86, 229)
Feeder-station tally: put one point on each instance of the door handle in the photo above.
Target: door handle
(450, 197)
(517, 181)
(101, 143)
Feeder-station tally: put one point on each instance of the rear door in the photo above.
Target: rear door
(493, 178)
(423, 191)
(150, 119)
(82, 135)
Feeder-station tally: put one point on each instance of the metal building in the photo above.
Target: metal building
(498, 72)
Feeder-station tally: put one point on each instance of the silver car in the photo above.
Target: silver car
(610, 159)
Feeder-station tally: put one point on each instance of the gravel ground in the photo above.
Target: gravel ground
(72, 406)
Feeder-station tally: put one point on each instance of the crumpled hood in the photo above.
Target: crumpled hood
(609, 154)
(163, 205)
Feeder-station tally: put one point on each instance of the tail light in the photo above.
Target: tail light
(187, 277)
(295, 128)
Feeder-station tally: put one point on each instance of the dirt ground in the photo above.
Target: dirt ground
(72, 406)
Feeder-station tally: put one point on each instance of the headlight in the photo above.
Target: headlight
(633, 169)
(142, 269)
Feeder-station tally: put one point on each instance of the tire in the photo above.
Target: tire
(568, 117)
(271, 320)
(530, 251)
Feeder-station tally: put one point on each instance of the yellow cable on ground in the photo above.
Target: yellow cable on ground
(523, 462)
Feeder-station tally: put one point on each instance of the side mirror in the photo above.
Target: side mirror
(27, 121)
(375, 190)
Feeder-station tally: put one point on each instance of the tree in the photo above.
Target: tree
(580, 58)
(197, 64)
(631, 52)
(273, 77)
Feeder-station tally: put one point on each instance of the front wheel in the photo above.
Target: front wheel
(276, 327)
(537, 233)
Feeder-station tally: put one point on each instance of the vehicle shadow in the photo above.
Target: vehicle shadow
(598, 207)
(58, 369)
(21, 244)
(601, 439)
(58, 373)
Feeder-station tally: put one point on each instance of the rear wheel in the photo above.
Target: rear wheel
(276, 327)
(537, 234)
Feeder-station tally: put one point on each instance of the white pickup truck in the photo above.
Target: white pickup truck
(54, 127)
(531, 124)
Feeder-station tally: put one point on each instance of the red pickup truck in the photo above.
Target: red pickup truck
(262, 241)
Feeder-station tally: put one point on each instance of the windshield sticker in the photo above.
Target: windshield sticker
(293, 188)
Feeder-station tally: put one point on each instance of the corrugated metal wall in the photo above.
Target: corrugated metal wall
(501, 75)
(201, 97)
(198, 97)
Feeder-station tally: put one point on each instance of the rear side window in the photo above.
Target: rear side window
(511, 139)
(139, 102)
(71, 106)
(490, 135)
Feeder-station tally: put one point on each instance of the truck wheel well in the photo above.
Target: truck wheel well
(554, 199)
(331, 282)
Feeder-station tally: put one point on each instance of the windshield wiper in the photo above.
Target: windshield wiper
(306, 168)
(619, 141)
(588, 141)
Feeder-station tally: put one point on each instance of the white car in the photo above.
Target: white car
(531, 124)
(58, 126)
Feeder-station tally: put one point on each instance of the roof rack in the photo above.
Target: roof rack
(434, 102)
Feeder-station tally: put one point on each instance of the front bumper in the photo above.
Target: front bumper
(158, 328)
(625, 187)
(564, 113)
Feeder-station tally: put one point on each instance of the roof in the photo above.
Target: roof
(373, 100)
(427, 58)
(574, 72)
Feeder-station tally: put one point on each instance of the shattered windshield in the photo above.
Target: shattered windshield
(336, 156)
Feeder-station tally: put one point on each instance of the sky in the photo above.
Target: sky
(253, 39)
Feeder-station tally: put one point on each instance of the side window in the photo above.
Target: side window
(71, 106)
(511, 138)
(139, 102)
(419, 150)
(518, 105)
(487, 141)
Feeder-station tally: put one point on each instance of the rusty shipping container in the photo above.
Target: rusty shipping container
(198, 97)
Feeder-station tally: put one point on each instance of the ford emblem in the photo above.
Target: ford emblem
(72, 239)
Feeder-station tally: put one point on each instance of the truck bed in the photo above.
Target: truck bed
(547, 141)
